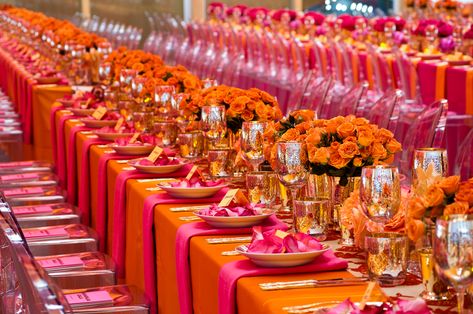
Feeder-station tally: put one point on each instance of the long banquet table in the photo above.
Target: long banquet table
(112, 197)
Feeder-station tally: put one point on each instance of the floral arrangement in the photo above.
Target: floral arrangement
(444, 29)
(354, 218)
(446, 5)
(63, 31)
(178, 76)
(144, 62)
(338, 147)
(447, 196)
(399, 307)
(241, 105)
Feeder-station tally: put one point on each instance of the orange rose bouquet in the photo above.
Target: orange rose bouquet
(241, 105)
(448, 196)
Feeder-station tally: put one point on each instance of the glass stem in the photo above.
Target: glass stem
(460, 299)
(294, 196)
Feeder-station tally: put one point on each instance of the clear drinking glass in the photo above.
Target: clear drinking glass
(209, 83)
(166, 131)
(262, 187)
(137, 85)
(105, 73)
(430, 164)
(126, 77)
(220, 163)
(310, 217)
(291, 167)
(213, 123)
(191, 144)
(380, 192)
(453, 253)
(387, 257)
(252, 142)
(164, 99)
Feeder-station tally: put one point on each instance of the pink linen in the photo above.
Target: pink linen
(72, 164)
(52, 121)
(232, 271)
(183, 237)
(427, 73)
(148, 236)
(119, 214)
(102, 200)
(61, 151)
(84, 179)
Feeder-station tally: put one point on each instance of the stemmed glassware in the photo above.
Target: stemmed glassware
(165, 100)
(380, 192)
(291, 167)
(213, 123)
(252, 143)
(453, 252)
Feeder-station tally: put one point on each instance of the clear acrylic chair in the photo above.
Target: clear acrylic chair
(464, 160)
(427, 130)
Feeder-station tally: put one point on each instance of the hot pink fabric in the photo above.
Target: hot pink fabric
(148, 236)
(72, 164)
(232, 271)
(61, 165)
(84, 179)
(52, 121)
(427, 80)
(102, 199)
(183, 237)
(119, 213)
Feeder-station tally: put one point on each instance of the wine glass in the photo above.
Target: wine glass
(380, 192)
(213, 123)
(291, 167)
(453, 252)
(164, 98)
(252, 142)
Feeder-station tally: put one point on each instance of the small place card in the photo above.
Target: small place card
(99, 113)
(86, 299)
(191, 172)
(61, 262)
(134, 137)
(155, 154)
(119, 124)
(16, 164)
(18, 177)
(32, 210)
(23, 191)
(50, 233)
(234, 194)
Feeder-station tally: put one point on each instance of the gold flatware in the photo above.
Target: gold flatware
(230, 253)
(309, 306)
(187, 208)
(156, 188)
(156, 179)
(311, 283)
(228, 240)
(123, 161)
(189, 218)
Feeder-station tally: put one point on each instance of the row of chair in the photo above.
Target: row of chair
(118, 34)
(49, 262)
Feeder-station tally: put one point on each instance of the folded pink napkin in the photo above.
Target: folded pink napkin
(61, 151)
(232, 271)
(119, 213)
(102, 200)
(28, 116)
(72, 164)
(148, 236)
(84, 185)
(52, 121)
(183, 237)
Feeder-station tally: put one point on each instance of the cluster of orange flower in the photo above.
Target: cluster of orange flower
(338, 147)
(447, 4)
(449, 196)
(241, 105)
(152, 67)
(62, 30)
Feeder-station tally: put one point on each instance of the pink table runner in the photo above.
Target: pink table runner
(84, 178)
(72, 164)
(232, 271)
(148, 237)
(61, 150)
(183, 237)
(102, 199)
(52, 121)
(119, 214)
